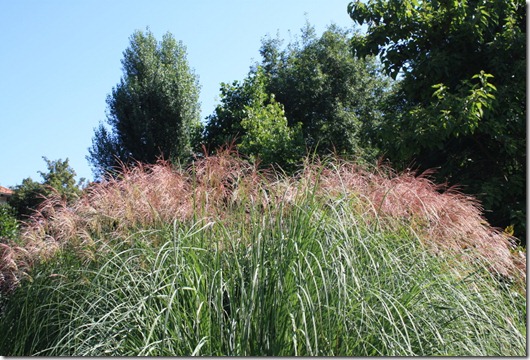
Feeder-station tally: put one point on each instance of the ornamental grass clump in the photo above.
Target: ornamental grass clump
(223, 259)
(445, 220)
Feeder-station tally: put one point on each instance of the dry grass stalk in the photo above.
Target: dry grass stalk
(445, 219)
(148, 195)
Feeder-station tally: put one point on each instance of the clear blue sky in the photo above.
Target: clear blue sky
(59, 60)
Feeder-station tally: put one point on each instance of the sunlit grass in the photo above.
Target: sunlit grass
(257, 266)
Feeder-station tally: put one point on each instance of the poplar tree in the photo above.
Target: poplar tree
(154, 112)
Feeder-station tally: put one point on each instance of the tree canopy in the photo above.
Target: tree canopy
(153, 112)
(460, 103)
(325, 88)
(326, 95)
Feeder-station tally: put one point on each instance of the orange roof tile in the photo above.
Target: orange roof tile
(5, 191)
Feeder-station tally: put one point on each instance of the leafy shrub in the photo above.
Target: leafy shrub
(8, 223)
(58, 181)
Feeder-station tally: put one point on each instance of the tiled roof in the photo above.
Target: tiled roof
(5, 191)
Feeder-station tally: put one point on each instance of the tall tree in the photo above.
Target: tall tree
(321, 87)
(325, 88)
(154, 111)
(460, 105)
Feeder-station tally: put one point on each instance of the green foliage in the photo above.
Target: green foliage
(326, 89)
(224, 125)
(27, 197)
(267, 135)
(153, 112)
(322, 88)
(58, 180)
(251, 118)
(269, 138)
(459, 105)
(8, 223)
